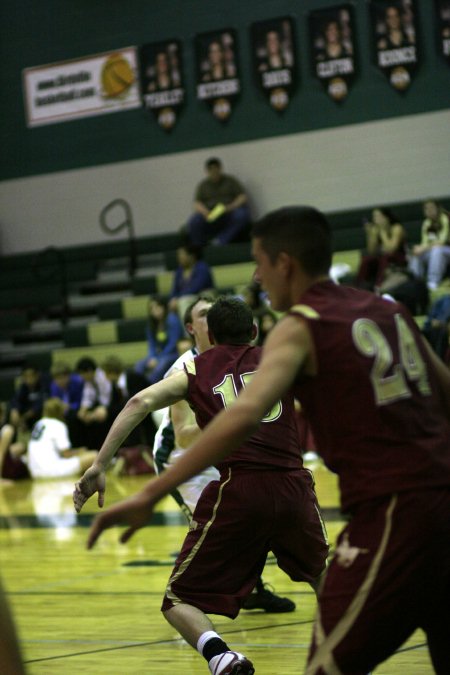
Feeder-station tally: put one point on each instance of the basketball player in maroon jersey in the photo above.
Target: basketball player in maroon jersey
(264, 500)
(378, 401)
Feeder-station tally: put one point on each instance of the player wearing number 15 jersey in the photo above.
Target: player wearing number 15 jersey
(264, 500)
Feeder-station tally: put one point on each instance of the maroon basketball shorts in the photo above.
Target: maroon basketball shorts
(389, 576)
(237, 521)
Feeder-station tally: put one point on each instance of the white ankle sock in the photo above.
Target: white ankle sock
(203, 639)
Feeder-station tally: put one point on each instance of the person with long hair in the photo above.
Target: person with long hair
(430, 258)
(163, 331)
(385, 245)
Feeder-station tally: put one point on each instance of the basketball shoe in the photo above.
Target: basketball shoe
(267, 600)
(231, 663)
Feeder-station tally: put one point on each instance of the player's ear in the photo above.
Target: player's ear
(189, 328)
(254, 331)
(284, 261)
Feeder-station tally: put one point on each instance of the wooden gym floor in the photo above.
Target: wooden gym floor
(96, 612)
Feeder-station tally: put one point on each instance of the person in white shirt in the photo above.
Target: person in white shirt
(50, 454)
(92, 417)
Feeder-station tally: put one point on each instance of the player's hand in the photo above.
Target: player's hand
(93, 480)
(135, 512)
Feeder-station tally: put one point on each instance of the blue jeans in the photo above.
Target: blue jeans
(435, 259)
(158, 372)
(224, 230)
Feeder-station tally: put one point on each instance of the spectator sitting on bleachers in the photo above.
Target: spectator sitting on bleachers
(28, 400)
(92, 416)
(67, 386)
(437, 326)
(254, 297)
(163, 331)
(221, 212)
(430, 258)
(385, 246)
(50, 453)
(125, 383)
(192, 276)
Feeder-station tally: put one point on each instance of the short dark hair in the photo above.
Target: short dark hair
(187, 318)
(213, 161)
(86, 364)
(301, 231)
(230, 321)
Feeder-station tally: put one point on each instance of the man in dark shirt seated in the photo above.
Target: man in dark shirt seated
(221, 212)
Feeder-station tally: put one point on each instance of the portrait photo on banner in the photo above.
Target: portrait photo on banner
(274, 59)
(162, 81)
(332, 38)
(218, 81)
(443, 27)
(394, 28)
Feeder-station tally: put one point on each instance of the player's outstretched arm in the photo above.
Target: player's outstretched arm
(152, 398)
(288, 349)
(135, 512)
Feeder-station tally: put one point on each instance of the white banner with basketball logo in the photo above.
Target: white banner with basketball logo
(83, 87)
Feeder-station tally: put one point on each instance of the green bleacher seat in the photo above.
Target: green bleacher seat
(129, 352)
(233, 275)
(33, 296)
(131, 330)
(142, 285)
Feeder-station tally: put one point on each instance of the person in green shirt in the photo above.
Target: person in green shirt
(221, 214)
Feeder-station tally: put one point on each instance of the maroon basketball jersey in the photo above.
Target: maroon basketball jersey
(374, 407)
(216, 378)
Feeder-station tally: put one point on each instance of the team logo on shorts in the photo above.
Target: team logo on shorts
(347, 554)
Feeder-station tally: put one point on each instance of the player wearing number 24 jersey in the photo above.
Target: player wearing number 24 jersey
(374, 411)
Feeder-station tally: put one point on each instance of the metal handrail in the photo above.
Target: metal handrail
(127, 222)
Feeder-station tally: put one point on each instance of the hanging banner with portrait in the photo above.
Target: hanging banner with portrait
(443, 27)
(218, 81)
(275, 60)
(333, 52)
(162, 81)
(394, 27)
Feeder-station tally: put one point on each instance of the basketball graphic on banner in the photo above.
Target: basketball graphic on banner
(117, 76)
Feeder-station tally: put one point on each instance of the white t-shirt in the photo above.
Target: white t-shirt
(49, 438)
(97, 392)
